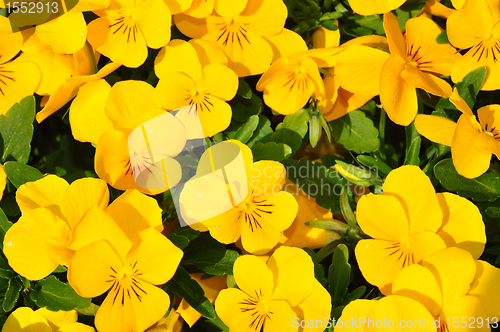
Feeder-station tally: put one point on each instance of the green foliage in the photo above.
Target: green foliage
(469, 86)
(356, 132)
(16, 131)
(271, 151)
(292, 130)
(19, 173)
(481, 189)
(55, 295)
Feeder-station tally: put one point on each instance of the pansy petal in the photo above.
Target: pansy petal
(374, 7)
(10, 43)
(424, 244)
(415, 191)
(489, 120)
(124, 310)
(465, 307)
(395, 38)
(3, 181)
(436, 128)
(183, 54)
(372, 209)
(208, 52)
(155, 258)
(280, 316)
(47, 192)
(56, 319)
(265, 17)
(178, 6)
(36, 244)
(92, 271)
(454, 269)
(20, 79)
(96, 225)
(291, 266)
(76, 327)
(232, 308)
(426, 81)
(359, 68)
(397, 96)
(323, 38)
(463, 225)
(355, 311)
(154, 20)
(469, 158)
(459, 103)
(316, 306)
(253, 276)
(483, 287)
(419, 284)
(24, 319)
(468, 26)
(258, 236)
(135, 212)
(64, 35)
(219, 81)
(81, 195)
(87, 116)
(286, 43)
(174, 90)
(266, 177)
(214, 115)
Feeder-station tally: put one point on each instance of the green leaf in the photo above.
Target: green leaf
(412, 157)
(375, 164)
(12, 294)
(408, 10)
(339, 274)
(16, 131)
(356, 132)
(319, 270)
(55, 295)
(19, 173)
(271, 151)
(244, 89)
(442, 38)
(179, 241)
(262, 133)
(354, 295)
(5, 224)
(471, 84)
(244, 130)
(214, 261)
(323, 184)
(183, 285)
(245, 108)
(481, 189)
(292, 130)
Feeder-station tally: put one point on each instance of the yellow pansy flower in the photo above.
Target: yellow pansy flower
(133, 303)
(472, 142)
(198, 81)
(126, 29)
(409, 222)
(242, 35)
(253, 208)
(374, 7)
(475, 26)
(452, 285)
(301, 235)
(24, 319)
(38, 242)
(172, 323)
(416, 61)
(271, 295)
(226, 8)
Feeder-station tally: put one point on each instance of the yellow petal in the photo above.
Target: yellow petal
(424, 244)
(10, 42)
(178, 6)
(134, 212)
(436, 128)
(64, 35)
(489, 120)
(81, 195)
(459, 103)
(286, 43)
(219, 81)
(425, 81)
(19, 79)
(174, 91)
(124, 310)
(154, 259)
(208, 52)
(36, 244)
(459, 311)
(323, 38)
(86, 115)
(3, 181)
(265, 17)
(460, 214)
(253, 277)
(153, 18)
(266, 177)
(454, 268)
(415, 191)
(419, 284)
(359, 68)
(47, 192)
(482, 287)
(435, 8)
(372, 209)
(24, 319)
(293, 272)
(397, 44)
(229, 8)
(92, 271)
(316, 306)
(56, 319)
(280, 316)
(470, 158)
(89, 5)
(127, 102)
(354, 311)
(76, 327)
(374, 7)
(397, 96)
(178, 56)
(214, 115)
(469, 25)
(95, 226)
